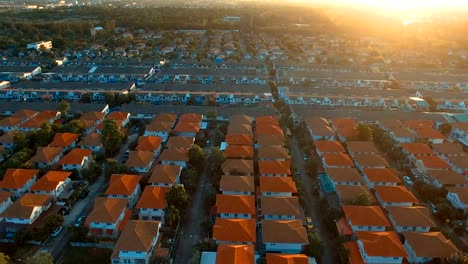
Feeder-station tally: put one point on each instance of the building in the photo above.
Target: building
(279, 208)
(140, 161)
(361, 147)
(124, 186)
(5, 201)
(76, 159)
(67, 141)
(274, 168)
(53, 183)
(381, 177)
(335, 160)
(328, 146)
(150, 143)
(106, 217)
(348, 194)
(235, 206)
(424, 247)
(18, 181)
(46, 157)
(411, 219)
(234, 231)
(380, 247)
(237, 185)
(92, 141)
(239, 139)
(458, 197)
(284, 236)
(277, 186)
(238, 167)
(366, 218)
(152, 203)
(344, 176)
(239, 152)
(47, 45)
(165, 175)
(395, 196)
(137, 242)
(278, 153)
(180, 142)
(276, 258)
(230, 254)
(363, 161)
(176, 156)
(26, 210)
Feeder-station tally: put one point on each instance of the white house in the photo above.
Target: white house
(52, 183)
(137, 242)
(47, 45)
(165, 175)
(140, 161)
(380, 247)
(92, 141)
(394, 196)
(18, 181)
(237, 185)
(423, 247)
(177, 157)
(366, 218)
(414, 218)
(152, 203)
(106, 216)
(46, 157)
(277, 186)
(381, 177)
(284, 236)
(458, 197)
(124, 186)
(279, 208)
(234, 231)
(235, 206)
(76, 159)
(26, 209)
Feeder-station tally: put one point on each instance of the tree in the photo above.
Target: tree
(113, 167)
(79, 233)
(457, 258)
(44, 135)
(364, 199)
(364, 132)
(20, 141)
(4, 259)
(177, 197)
(315, 246)
(109, 98)
(112, 137)
(53, 221)
(312, 167)
(92, 171)
(40, 258)
(216, 159)
(64, 108)
(196, 156)
(86, 98)
(75, 126)
(445, 129)
(22, 236)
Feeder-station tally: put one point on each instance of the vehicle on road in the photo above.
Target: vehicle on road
(407, 180)
(309, 223)
(57, 231)
(298, 172)
(79, 221)
(305, 157)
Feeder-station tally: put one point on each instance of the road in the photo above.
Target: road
(120, 157)
(312, 203)
(191, 229)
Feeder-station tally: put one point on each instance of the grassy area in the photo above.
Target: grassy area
(87, 255)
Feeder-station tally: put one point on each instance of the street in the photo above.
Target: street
(312, 203)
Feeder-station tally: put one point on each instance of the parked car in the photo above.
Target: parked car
(79, 221)
(305, 157)
(309, 223)
(407, 180)
(57, 231)
(298, 172)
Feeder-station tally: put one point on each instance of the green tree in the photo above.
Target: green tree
(53, 221)
(4, 259)
(113, 167)
(109, 98)
(112, 137)
(196, 156)
(171, 216)
(44, 135)
(364, 199)
(457, 258)
(177, 197)
(75, 126)
(315, 246)
(20, 141)
(86, 98)
(40, 258)
(216, 159)
(64, 108)
(79, 233)
(364, 132)
(92, 171)
(445, 129)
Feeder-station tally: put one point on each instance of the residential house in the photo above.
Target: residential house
(123, 117)
(240, 119)
(239, 139)
(426, 163)
(159, 129)
(345, 128)
(180, 142)
(76, 159)
(26, 210)
(53, 183)
(416, 150)
(348, 194)
(319, 128)
(7, 139)
(284, 236)
(448, 149)
(237, 185)
(186, 129)
(232, 254)
(66, 141)
(10, 124)
(92, 141)
(277, 186)
(414, 218)
(337, 160)
(238, 167)
(430, 134)
(165, 175)
(234, 231)
(176, 156)
(140, 161)
(149, 143)
(441, 178)
(381, 177)
(419, 123)
(395, 196)
(269, 140)
(424, 247)
(380, 247)
(459, 163)
(152, 203)
(107, 216)
(361, 147)
(328, 146)
(91, 120)
(366, 218)
(191, 118)
(276, 258)
(137, 242)
(5, 202)
(402, 134)
(235, 206)
(46, 157)
(18, 181)
(458, 197)
(239, 129)
(344, 176)
(278, 153)
(268, 129)
(375, 161)
(275, 168)
(279, 208)
(239, 152)
(124, 186)
(460, 132)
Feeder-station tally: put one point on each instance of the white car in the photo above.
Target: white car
(407, 180)
(57, 231)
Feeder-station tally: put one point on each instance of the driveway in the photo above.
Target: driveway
(312, 203)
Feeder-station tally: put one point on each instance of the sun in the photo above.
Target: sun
(396, 5)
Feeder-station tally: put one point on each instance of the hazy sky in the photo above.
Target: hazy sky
(399, 4)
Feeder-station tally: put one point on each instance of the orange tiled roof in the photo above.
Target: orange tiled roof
(106, 210)
(4, 196)
(334, 159)
(344, 122)
(429, 133)
(275, 258)
(449, 148)
(411, 216)
(267, 120)
(419, 123)
(239, 152)
(75, 156)
(277, 184)
(349, 193)
(191, 118)
(157, 126)
(370, 160)
(121, 116)
(153, 197)
(430, 244)
(462, 193)
(235, 254)
(175, 155)
(46, 154)
(234, 230)
(63, 140)
(238, 167)
(187, 127)
(122, 184)
(24, 114)
(50, 181)
(235, 204)
(10, 122)
(344, 175)
(274, 167)
(354, 255)
(240, 119)
(329, 146)
(93, 139)
(148, 143)
(365, 215)
(381, 244)
(237, 183)
(284, 231)
(165, 174)
(137, 236)
(139, 159)
(434, 162)
(382, 175)
(239, 129)
(239, 139)
(271, 140)
(94, 116)
(24, 206)
(273, 205)
(395, 194)
(273, 152)
(16, 178)
(447, 177)
(417, 149)
(8, 137)
(180, 142)
(361, 147)
(165, 117)
(268, 129)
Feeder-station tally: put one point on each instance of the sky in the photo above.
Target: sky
(398, 4)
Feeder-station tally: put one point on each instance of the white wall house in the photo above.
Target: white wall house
(458, 197)
(132, 198)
